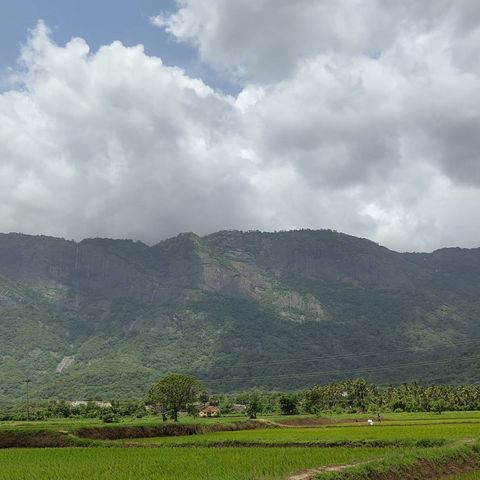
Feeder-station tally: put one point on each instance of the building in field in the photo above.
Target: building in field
(209, 411)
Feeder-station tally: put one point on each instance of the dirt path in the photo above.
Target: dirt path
(311, 473)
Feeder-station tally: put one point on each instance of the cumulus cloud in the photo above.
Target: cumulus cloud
(116, 143)
(355, 115)
(263, 40)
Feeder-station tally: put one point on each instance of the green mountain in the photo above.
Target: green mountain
(104, 318)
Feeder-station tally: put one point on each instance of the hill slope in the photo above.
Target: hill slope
(104, 318)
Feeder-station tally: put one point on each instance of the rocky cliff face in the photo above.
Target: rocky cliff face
(319, 301)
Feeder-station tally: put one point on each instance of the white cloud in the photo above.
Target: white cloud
(359, 116)
(263, 40)
(115, 143)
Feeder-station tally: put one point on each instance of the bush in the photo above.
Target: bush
(110, 418)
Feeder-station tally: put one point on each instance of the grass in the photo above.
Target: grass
(72, 424)
(415, 464)
(436, 431)
(464, 476)
(405, 416)
(170, 464)
(400, 446)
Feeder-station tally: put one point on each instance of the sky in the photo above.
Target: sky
(144, 119)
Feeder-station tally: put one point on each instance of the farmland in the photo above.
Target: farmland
(337, 447)
(202, 463)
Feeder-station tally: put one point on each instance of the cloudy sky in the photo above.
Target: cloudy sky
(145, 119)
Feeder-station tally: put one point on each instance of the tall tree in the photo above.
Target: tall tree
(173, 392)
(288, 404)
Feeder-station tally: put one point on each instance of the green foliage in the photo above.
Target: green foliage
(351, 396)
(50, 410)
(173, 393)
(254, 405)
(288, 404)
(110, 418)
(192, 409)
(357, 395)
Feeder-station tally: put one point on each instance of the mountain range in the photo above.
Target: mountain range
(102, 318)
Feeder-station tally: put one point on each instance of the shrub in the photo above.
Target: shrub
(110, 418)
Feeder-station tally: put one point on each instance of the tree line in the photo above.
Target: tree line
(176, 393)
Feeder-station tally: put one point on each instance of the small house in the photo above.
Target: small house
(209, 411)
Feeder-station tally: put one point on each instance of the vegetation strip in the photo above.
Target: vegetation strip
(425, 466)
(168, 430)
(380, 425)
(343, 444)
(311, 473)
(85, 436)
(40, 439)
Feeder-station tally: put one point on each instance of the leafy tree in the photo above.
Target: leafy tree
(288, 404)
(192, 410)
(173, 392)
(358, 391)
(254, 406)
(203, 398)
(226, 406)
(438, 406)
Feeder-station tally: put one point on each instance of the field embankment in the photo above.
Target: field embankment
(167, 430)
(414, 465)
(83, 436)
(38, 439)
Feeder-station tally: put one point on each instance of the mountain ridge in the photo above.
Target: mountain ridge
(124, 312)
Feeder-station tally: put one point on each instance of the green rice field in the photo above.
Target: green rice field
(349, 448)
(328, 434)
(181, 464)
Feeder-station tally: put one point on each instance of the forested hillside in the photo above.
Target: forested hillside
(103, 318)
